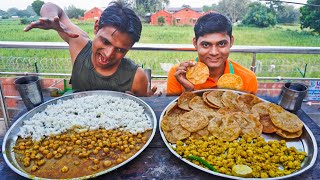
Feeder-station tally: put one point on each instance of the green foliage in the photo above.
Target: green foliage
(213, 7)
(12, 11)
(186, 6)
(310, 16)
(275, 6)
(25, 21)
(36, 5)
(148, 6)
(31, 11)
(259, 15)
(161, 20)
(23, 13)
(234, 9)
(28, 20)
(288, 14)
(4, 14)
(74, 12)
(12, 30)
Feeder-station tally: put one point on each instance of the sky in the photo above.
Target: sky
(22, 4)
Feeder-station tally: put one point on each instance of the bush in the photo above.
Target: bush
(25, 21)
(259, 15)
(28, 20)
(161, 20)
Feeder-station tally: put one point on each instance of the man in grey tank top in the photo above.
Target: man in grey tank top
(100, 64)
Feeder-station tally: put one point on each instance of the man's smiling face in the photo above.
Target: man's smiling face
(109, 46)
(213, 49)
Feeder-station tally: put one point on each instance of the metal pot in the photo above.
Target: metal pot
(292, 95)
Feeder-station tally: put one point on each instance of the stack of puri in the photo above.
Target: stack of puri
(227, 116)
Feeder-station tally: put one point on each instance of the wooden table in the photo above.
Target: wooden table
(157, 162)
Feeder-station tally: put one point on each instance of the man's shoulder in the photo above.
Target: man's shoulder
(126, 62)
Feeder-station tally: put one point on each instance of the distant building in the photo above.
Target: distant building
(178, 16)
(93, 13)
(167, 17)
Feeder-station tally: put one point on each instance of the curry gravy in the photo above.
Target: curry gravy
(73, 154)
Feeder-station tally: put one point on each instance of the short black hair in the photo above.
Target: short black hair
(212, 22)
(123, 19)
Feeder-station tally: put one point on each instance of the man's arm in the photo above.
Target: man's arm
(177, 80)
(140, 83)
(53, 17)
(174, 88)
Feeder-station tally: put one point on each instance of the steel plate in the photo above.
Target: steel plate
(11, 135)
(306, 142)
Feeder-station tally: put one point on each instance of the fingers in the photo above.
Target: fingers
(154, 88)
(187, 64)
(183, 67)
(27, 28)
(37, 24)
(153, 92)
(31, 26)
(44, 20)
(72, 35)
(56, 19)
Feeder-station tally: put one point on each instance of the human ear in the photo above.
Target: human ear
(96, 27)
(231, 41)
(194, 41)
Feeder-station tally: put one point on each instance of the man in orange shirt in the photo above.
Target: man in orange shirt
(213, 40)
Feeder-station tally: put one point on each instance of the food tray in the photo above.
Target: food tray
(306, 142)
(11, 135)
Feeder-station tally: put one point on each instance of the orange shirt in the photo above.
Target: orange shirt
(250, 83)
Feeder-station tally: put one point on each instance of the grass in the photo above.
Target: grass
(58, 60)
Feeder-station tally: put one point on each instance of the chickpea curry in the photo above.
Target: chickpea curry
(223, 131)
(267, 159)
(76, 154)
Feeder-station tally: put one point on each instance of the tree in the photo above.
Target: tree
(36, 5)
(74, 12)
(31, 11)
(141, 7)
(288, 14)
(186, 6)
(23, 13)
(259, 15)
(234, 9)
(161, 20)
(275, 6)
(4, 14)
(12, 11)
(213, 7)
(310, 16)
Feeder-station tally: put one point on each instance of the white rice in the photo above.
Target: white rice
(90, 113)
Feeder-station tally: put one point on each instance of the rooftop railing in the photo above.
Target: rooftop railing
(254, 50)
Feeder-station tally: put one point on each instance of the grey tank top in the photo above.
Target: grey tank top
(85, 78)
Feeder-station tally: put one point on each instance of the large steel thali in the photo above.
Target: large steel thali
(306, 142)
(11, 136)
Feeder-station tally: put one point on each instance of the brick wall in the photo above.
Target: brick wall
(270, 89)
(9, 88)
(93, 13)
(167, 17)
(186, 17)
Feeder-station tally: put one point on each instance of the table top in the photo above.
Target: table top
(157, 162)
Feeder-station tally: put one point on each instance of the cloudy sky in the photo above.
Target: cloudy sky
(22, 4)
